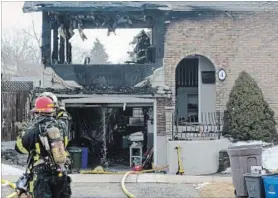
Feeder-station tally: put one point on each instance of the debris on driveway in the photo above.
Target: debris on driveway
(199, 186)
(227, 171)
(216, 189)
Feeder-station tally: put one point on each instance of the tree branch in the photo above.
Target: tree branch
(35, 34)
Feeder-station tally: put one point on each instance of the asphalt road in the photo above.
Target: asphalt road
(140, 190)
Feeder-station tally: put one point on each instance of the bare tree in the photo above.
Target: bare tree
(35, 38)
(21, 52)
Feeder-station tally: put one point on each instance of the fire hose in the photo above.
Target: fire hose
(100, 170)
(124, 189)
(20, 186)
(12, 185)
(179, 172)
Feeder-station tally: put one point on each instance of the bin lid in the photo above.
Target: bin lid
(74, 149)
(246, 146)
(245, 150)
(270, 175)
(252, 175)
(270, 179)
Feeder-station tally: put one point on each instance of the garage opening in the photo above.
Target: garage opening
(118, 135)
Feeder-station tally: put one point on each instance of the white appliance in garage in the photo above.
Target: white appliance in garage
(136, 149)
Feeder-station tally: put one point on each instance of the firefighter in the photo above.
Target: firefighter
(63, 121)
(44, 142)
(63, 118)
(61, 115)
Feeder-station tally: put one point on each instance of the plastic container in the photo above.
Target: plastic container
(271, 186)
(241, 160)
(84, 157)
(125, 142)
(254, 184)
(76, 157)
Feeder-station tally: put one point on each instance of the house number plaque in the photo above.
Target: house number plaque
(222, 74)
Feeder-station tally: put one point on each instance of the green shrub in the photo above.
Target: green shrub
(249, 115)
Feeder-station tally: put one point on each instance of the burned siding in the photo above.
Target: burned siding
(105, 75)
(146, 90)
(99, 79)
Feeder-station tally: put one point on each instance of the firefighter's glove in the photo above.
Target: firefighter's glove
(22, 184)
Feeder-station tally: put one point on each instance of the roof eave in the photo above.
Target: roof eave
(29, 10)
(91, 9)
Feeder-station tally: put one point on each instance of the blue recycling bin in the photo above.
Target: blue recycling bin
(271, 186)
(84, 158)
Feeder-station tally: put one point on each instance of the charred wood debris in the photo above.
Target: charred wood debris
(146, 90)
(67, 23)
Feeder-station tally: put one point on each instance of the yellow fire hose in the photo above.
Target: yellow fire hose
(100, 170)
(12, 185)
(124, 189)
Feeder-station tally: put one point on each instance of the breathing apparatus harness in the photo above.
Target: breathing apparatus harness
(52, 141)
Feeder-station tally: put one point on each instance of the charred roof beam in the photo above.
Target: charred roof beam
(87, 6)
(96, 20)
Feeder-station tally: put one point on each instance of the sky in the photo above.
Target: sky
(116, 45)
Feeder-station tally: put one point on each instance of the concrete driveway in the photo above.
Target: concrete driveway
(140, 190)
(113, 190)
(145, 185)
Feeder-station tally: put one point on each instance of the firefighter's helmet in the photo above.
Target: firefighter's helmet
(44, 105)
(50, 95)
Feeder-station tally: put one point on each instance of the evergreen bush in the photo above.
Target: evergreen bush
(249, 115)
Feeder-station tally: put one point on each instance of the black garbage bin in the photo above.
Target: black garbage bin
(76, 158)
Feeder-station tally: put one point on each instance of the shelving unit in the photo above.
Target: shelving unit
(136, 154)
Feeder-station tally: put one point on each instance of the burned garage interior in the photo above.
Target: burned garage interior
(115, 133)
(111, 105)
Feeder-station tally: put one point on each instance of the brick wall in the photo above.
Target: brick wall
(248, 42)
(161, 121)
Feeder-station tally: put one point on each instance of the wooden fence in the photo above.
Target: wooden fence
(15, 106)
